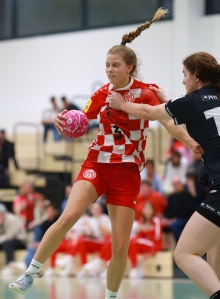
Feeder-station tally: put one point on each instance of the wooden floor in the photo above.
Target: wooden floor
(72, 288)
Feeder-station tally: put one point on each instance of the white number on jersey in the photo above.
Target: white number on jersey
(215, 113)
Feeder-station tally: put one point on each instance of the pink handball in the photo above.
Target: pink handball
(76, 124)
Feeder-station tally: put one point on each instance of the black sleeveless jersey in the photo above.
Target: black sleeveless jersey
(200, 112)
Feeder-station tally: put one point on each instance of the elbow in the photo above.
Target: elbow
(148, 113)
(148, 116)
(151, 117)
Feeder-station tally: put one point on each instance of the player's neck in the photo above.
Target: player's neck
(122, 84)
(202, 84)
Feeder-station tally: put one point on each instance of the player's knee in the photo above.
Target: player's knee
(181, 256)
(66, 221)
(178, 256)
(120, 252)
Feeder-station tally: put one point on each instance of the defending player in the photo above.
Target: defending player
(200, 111)
(112, 165)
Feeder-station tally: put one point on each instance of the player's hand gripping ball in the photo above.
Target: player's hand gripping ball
(76, 124)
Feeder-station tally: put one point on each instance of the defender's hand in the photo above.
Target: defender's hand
(160, 93)
(197, 149)
(116, 101)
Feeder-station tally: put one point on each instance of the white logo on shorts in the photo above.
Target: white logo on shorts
(134, 202)
(89, 174)
(212, 191)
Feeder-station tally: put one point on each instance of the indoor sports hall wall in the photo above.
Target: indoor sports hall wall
(33, 69)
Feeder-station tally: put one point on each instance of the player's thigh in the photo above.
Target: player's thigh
(122, 219)
(198, 236)
(124, 185)
(83, 193)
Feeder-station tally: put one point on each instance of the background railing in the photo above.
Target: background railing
(27, 145)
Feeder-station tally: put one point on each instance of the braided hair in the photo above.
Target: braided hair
(127, 38)
(127, 53)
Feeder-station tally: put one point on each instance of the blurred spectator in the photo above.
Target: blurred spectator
(69, 248)
(175, 166)
(68, 105)
(102, 201)
(197, 191)
(52, 216)
(40, 214)
(147, 194)
(148, 174)
(148, 240)
(12, 236)
(100, 230)
(98, 266)
(176, 145)
(180, 207)
(7, 152)
(68, 189)
(197, 165)
(48, 120)
(23, 205)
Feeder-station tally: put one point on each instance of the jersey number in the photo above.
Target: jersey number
(215, 113)
(117, 131)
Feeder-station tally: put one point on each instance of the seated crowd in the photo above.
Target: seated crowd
(164, 205)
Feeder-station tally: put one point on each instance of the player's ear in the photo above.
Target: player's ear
(130, 68)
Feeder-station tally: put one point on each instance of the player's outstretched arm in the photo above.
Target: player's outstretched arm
(142, 111)
(181, 134)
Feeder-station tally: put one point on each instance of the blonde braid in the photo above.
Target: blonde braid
(127, 38)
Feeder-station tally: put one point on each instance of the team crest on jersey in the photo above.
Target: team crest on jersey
(129, 97)
(87, 106)
(89, 174)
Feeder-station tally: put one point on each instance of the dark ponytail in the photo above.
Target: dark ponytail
(206, 68)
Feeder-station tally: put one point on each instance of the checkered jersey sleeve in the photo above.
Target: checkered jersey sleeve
(148, 96)
(94, 105)
(178, 109)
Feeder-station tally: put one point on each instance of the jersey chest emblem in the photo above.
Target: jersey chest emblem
(129, 97)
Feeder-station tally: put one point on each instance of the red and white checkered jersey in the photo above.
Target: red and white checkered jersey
(121, 136)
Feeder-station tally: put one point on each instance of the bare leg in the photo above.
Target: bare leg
(213, 258)
(198, 237)
(121, 220)
(82, 194)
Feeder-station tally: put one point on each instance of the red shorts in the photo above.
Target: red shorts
(120, 182)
